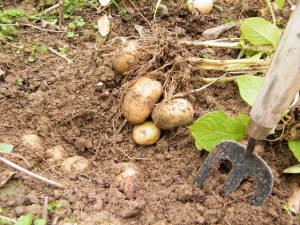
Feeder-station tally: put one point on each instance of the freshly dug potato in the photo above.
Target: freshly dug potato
(56, 153)
(175, 113)
(122, 63)
(140, 99)
(75, 165)
(32, 141)
(146, 133)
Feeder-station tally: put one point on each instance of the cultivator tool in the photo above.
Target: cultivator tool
(282, 83)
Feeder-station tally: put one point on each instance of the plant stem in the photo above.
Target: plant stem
(60, 55)
(217, 62)
(17, 167)
(219, 79)
(271, 11)
(7, 219)
(61, 13)
(222, 44)
(33, 26)
(183, 94)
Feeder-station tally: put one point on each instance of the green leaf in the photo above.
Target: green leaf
(70, 34)
(294, 146)
(39, 222)
(215, 127)
(280, 3)
(31, 58)
(24, 220)
(43, 49)
(292, 169)
(259, 31)
(54, 205)
(6, 148)
(249, 86)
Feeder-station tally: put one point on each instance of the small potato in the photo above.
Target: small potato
(56, 153)
(75, 165)
(204, 6)
(140, 99)
(32, 141)
(122, 63)
(146, 133)
(175, 113)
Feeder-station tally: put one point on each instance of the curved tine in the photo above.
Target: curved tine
(204, 171)
(264, 184)
(234, 180)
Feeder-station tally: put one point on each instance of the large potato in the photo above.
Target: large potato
(140, 99)
(174, 113)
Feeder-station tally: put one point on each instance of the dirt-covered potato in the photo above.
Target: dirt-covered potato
(174, 113)
(75, 165)
(32, 141)
(146, 133)
(140, 99)
(122, 63)
(56, 153)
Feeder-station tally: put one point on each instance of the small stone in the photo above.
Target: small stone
(99, 204)
(56, 153)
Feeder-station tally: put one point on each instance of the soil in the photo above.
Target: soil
(64, 106)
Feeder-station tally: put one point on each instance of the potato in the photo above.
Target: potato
(75, 165)
(32, 141)
(175, 113)
(146, 133)
(140, 99)
(56, 153)
(122, 63)
(204, 6)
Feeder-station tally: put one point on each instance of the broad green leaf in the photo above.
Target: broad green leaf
(293, 169)
(24, 220)
(294, 146)
(6, 148)
(279, 3)
(249, 86)
(215, 127)
(39, 222)
(259, 31)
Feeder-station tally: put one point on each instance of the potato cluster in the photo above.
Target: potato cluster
(140, 101)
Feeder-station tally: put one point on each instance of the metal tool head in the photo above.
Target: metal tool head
(244, 164)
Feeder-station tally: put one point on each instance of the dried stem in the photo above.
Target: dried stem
(60, 55)
(7, 219)
(33, 26)
(61, 13)
(17, 167)
(183, 94)
(45, 210)
(51, 8)
(271, 11)
(222, 44)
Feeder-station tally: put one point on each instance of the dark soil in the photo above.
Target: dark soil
(62, 104)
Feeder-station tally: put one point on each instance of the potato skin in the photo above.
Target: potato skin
(146, 133)
(122, 63)
(140, 99)
(174, 113)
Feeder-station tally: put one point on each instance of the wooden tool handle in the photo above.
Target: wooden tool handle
(282, 80)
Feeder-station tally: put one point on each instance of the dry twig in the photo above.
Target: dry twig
(17, 167)
(7, 219)
(60, 55)
(33, 26)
